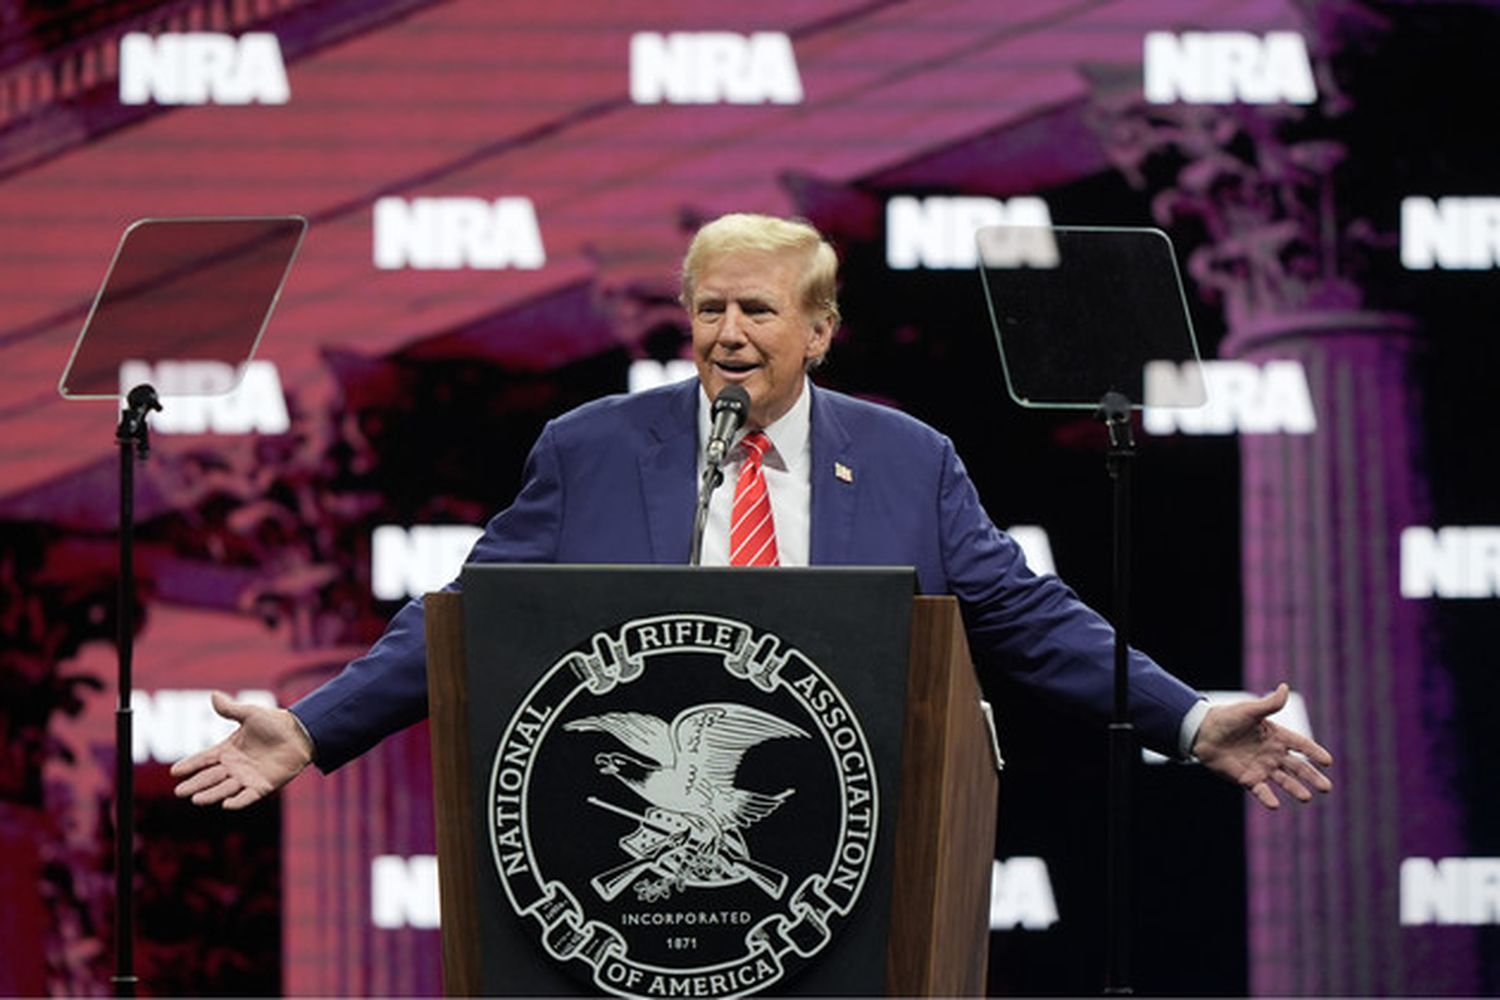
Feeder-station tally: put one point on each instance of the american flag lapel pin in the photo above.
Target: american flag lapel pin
(842, 472)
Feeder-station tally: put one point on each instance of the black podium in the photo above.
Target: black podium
(668, 781)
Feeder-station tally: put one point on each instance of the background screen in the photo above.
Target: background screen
(498, 197)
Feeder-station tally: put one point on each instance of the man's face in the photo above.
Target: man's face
(749, 327)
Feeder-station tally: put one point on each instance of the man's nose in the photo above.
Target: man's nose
(732, 330)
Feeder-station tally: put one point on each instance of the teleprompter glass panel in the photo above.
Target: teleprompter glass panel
(1079, 311)
(189, 297)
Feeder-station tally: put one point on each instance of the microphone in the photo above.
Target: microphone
(730, 408)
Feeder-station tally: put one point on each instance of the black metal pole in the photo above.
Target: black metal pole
(712, 477)
(1114, 410)
(134, 442)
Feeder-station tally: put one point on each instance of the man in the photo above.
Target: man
(845, 481)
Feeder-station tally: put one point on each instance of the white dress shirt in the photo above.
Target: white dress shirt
(787, 465)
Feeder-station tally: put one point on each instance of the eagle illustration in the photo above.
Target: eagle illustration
(688, 767)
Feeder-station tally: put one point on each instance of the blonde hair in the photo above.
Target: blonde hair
(746, 231)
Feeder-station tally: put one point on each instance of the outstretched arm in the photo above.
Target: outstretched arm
(1240, 743)
(267, 750)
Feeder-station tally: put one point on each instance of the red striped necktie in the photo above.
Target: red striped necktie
(752, 532)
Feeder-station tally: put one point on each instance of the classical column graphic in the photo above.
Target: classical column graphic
(335, 827)
(1279, 246)
(1321, 520)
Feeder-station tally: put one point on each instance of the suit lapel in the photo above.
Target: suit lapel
(669, 466)
(833, 483)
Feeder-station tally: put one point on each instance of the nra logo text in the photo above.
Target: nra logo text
(1453, 234)
(410, 562)
(648, 373)
(939, 233)
(1243, 397)
(713, 67)
(453, 233)
(404, 892)
(1035, 546)
(170, 724)
(195, 400)
(1225, 67)
(1450, 562)
(1021, 895)
(1452, 891)
(202, 68)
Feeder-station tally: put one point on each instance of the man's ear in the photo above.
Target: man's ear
(819, 339)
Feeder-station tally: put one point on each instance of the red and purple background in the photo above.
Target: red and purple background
(1264, 551)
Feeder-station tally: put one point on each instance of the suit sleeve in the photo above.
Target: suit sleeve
(386, 689)
(1036, 630)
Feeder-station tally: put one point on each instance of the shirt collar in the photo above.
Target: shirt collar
(790, 435)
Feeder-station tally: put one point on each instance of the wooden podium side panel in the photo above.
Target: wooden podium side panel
(945, 848)
(446, 695)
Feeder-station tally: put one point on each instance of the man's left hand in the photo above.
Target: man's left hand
(1242, 744)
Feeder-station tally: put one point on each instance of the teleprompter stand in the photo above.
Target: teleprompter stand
(193, 295)
(1079, 314)
(1114, 412)
(548, 671)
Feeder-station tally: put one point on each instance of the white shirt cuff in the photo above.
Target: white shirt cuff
(1188, 734)
(312, 744)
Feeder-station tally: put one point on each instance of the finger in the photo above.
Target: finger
(1309, 748)
(193, 762)
(1273, 702)
(206, 778)
(1304, 745)
(1292, 786)
(243, 798)
(228, 707)
(218, 793)
(256, 787)
(1253, 711)
(1262, 791)
(1308, 774)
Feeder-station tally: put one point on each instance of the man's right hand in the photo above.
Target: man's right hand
(268, 749)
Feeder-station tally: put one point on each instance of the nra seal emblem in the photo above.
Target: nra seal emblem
(683, 806)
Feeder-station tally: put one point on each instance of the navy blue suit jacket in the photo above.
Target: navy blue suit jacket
(615, 481)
